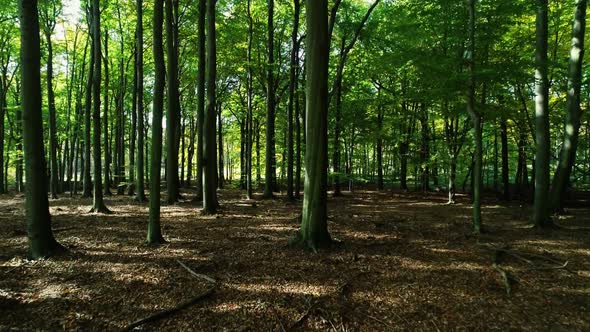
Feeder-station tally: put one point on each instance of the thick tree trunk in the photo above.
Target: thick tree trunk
(209, 161)
(567, 154)
(270, 165)
(154, 233)
(541, 217)
(314, 220)
(41, 241)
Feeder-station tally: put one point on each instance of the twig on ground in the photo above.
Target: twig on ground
(198, 275)
(168, 312)
(303, 317)
(505, 278)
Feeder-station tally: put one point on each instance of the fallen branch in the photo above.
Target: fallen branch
(168, 312)
(303, 317)
(198, 275)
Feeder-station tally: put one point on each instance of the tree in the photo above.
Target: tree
(41, 241)
(567, 154)
(140, 196)
(172, 181)
(49, 14)
(292, 96)
(87, 193)
(314, 219)
(541, 217)
(476, 119)
(98, 203)
(250, 115)
(202, 65)
(209, 144)
(270, 169)
(154, 234)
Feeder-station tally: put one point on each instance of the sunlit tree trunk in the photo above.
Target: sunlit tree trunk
(292, 96)
(314, 220)
(270, 165)
(172, 113)
(140, 195)
(98, 204)
(567, 155)
(541, 217)
(105, 116)
(249, 122)
(154, 234)
(87, 192)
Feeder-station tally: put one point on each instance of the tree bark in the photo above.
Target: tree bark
(105, 117)
(541, 217)
(154, 234)
(209, 161)
(567, 154)
(201, 96)
(140, 195)
(41, 241)
(292, 96)
(314, 220)
(270, 165)
(172, 114)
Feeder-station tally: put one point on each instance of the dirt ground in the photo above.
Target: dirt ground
(402, 262)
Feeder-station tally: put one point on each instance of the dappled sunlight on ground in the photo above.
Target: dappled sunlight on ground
(403, 261)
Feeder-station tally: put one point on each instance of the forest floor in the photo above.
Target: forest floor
(402, 262)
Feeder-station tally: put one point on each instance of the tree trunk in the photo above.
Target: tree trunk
(541, 217)
(567, 154)
(87, 192)
(154, 234)
(249, 120)
(477, 124)
(54, 180)
(209, 161)
(172, 114)
(41, 241)
(220, 178)
(505, 170)
(133, 133)
(201, 97)
(105, 117)
(270, 165)
(292, 96)
(140, 195)
(314, 219)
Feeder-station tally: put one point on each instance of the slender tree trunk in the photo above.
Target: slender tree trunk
(292, 96)
(201, 96)
(105, 116)
(567, 154)
(270, 165)
(98, 204)
(140, 195)
(505, 170)
(249, 122)
(477, 124)
(380, 185)
(87, 192)
(314, 219)
(541, 217)
(298, 140)
(133, 134)
(209, 161)
(172, 114)
(154, 234)
(220, 163)
(54, 181)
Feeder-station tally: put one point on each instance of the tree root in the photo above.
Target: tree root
(506, 278)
